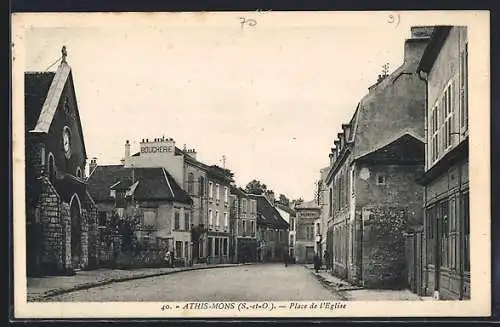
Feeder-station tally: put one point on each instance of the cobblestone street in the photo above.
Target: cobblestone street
(271, 282)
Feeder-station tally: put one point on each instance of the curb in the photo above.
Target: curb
(54, 292)
(330, 286)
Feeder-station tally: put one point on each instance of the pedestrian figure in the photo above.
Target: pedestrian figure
(286, 259)
(317, 262)
(326, 257)
(168, 259)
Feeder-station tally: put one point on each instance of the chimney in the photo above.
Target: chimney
(415, 46)
(92, 165)
(421, 31)
(127, 149)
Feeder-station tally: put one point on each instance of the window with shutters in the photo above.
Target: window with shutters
(464, 88)
(177, 220)
(187, 220)
(190, 183)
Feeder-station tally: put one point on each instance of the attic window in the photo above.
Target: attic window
(380, 179)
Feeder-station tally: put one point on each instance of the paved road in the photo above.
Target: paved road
(262, 282)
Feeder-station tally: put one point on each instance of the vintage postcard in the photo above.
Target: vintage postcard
(251, 164)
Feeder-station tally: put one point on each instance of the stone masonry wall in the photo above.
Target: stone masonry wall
(93, 233)
(383, 261)
(49, 205)
(84, 256)
(66, 236)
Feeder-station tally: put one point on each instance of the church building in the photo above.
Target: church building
(60, 214)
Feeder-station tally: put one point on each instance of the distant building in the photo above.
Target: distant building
(308, 214)
(289, 216)
(61, 228)
(446, 178)
(322, 202)
(243, 226)
(272, 230)
(218, 233)
(163, 209)
(373, 199)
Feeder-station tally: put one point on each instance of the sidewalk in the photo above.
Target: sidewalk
(355, 293)
(40, 288)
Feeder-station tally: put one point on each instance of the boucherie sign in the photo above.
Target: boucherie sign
(157, 149)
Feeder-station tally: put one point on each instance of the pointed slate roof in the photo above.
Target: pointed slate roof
(143, 183)
(43, 92)
(267, 214)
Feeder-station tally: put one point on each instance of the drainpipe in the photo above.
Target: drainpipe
(423, 76)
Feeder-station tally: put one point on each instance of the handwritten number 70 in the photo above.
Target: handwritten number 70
(250, 22)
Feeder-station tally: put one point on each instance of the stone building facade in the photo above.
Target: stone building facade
(444, 67)
(373, 198)
(308, 214)
(218, 233)
(150, 197)
(289, 215)
(243, 226)
(60, 214)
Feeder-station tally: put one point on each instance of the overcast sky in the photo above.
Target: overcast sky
(271, 99)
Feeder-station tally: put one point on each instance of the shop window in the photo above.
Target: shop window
(178, 249)
(224, 247)
(466, 232)
(217, 246)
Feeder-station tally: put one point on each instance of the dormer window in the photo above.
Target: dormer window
(380, 179)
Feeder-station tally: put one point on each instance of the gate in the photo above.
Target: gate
(413, 245)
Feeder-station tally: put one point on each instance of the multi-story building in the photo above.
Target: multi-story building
(208, 187)
(243, 226)
(218, 234)
(272, 230)
(308, 214)
(187, 171)
(150, 195)
(446, 178)
(61, 222)
(322, 202)
(289, 216)
(373, 198)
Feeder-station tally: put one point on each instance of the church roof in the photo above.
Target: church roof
(43, 91)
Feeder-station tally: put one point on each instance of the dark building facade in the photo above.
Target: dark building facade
(272, 231)
(243, 226)
(307, 214)
(373, 198)
(446, 179)
(61, 223)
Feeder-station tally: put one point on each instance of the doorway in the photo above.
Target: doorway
(76, 232)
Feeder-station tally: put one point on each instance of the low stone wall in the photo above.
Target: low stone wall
(384, 257)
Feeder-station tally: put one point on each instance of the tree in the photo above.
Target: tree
(256, 187)
(284, 200)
